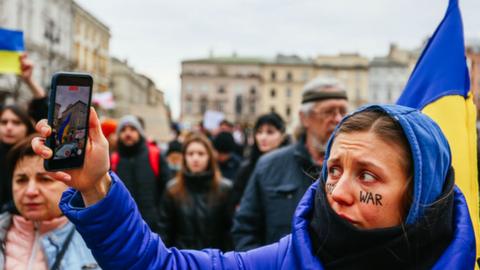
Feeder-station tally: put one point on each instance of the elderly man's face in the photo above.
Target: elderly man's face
(323, 118)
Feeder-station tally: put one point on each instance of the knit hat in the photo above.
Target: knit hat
(174, 147)
(130, 120)
(224, 142)
(322, 88)
(270, 119)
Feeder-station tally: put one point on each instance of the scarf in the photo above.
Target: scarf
(340, 245)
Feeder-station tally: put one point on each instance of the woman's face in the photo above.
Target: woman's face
(268, 138)
(12, 129)
(36, 195)
(366, 180)
(196, 157)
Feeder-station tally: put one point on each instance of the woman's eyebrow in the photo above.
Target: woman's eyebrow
(366, 163)
(363, 163)
(333, 160)
(20, 175)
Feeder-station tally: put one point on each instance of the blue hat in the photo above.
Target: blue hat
(430, 150)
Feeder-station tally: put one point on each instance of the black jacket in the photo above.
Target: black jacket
(201, 220)
(5, 180)
(246, 170)
(230, 167)
(146, 189)
(278, 182)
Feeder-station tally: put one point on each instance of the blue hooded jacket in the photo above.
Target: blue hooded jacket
(120, 239)
(430, 152)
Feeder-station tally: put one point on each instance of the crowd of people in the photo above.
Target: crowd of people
(370, 190)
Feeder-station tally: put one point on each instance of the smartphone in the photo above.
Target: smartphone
(68, 113)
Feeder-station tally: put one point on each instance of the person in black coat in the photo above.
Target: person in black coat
(269, 134)
(133, 163)
(281, 177)
(194, 211)
(228, 160)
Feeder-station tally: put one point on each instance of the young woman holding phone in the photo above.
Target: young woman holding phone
(386, 199)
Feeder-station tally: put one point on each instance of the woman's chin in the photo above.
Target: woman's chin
(35, 216)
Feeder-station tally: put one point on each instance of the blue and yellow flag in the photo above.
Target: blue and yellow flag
(11, 47)
(440, 87)
(64, 129)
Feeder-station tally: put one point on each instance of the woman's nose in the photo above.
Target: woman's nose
(9, 125)
(342, 193)
(32, 188)
(261, 137)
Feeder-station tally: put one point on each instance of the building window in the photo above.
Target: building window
(238, 104)
(305, 75)
(203, 105)
(289, 76)
(219, 106)
(273, 93)
(253, 90)
(204, 88)
(289, 92)
(273, 76)
(288, 111)
(189, 88)
(272, 109)
(221, 90)
(188, 107)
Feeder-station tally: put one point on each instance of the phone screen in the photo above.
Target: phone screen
(69, 129)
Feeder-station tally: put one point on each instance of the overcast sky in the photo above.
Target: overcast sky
(156, 35)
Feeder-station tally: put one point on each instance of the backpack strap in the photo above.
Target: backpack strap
(154, 158)
(114, 159)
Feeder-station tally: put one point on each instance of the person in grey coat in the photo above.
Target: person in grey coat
(280, 178)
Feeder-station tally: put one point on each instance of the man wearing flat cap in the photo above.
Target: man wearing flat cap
(281, 177)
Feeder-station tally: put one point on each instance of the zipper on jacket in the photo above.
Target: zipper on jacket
(33, 255)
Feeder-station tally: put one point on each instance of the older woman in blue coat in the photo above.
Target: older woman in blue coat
(386, 199)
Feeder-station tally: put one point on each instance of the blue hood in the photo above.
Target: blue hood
(430, 152)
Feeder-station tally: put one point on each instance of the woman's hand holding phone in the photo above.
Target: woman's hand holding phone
(92, 179)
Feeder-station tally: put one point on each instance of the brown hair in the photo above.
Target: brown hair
(20, 150)
(22, 115)
(387, 129)
(179, 189)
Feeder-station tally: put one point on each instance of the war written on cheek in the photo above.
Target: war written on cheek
(368, 197)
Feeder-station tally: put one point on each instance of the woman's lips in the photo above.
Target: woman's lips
(347, 218)
(32, 205)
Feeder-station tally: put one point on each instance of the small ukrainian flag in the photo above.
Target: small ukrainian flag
(11, 47)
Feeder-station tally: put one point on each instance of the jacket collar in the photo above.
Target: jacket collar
(460, 253)
(304, 159)
(301, 242)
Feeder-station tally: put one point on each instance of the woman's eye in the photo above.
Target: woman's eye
(367, 177)
(46, 179)
(20, 180)
(334, 172)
